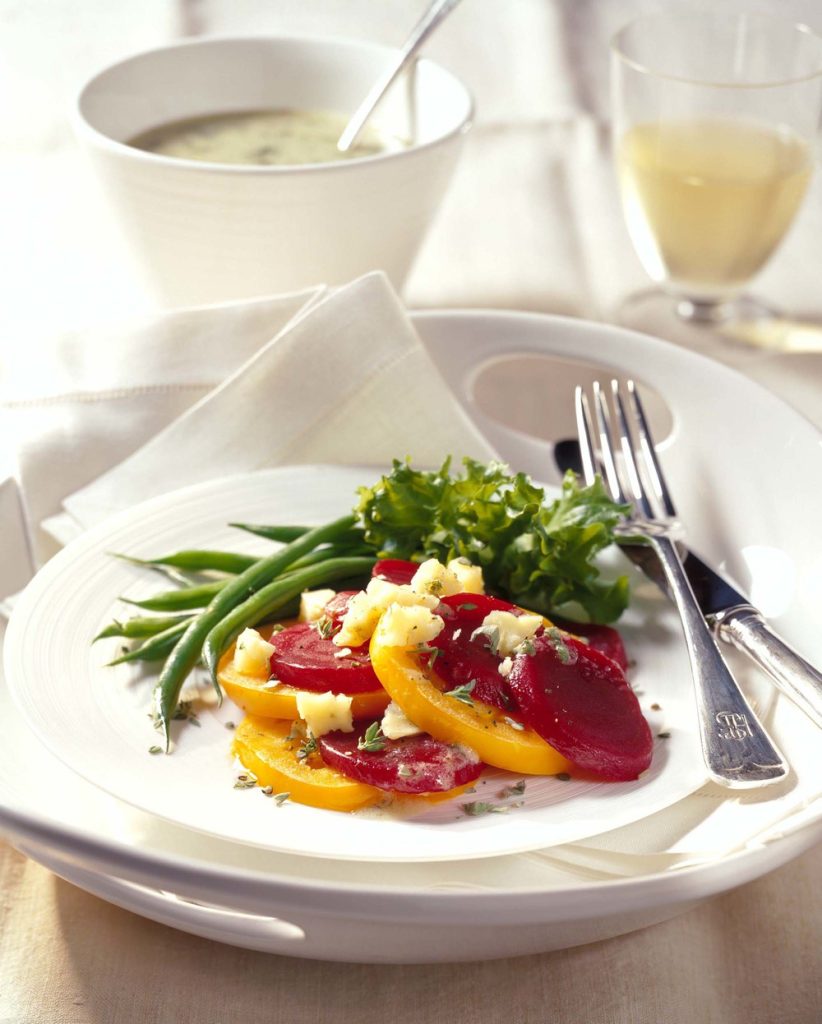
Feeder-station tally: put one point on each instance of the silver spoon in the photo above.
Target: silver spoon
(437, 11)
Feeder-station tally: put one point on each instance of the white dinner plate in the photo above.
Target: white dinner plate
(744, 467)
(343, 910)
(96, 718)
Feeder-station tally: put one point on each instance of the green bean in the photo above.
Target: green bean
(197, 561)
(187, 649)
(281, 533)
(289, 533)
(156, 647)
(178, 600)
(271, 598)
(200, 595)
(138, 627)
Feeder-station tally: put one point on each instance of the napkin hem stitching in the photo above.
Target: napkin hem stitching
(104, 395)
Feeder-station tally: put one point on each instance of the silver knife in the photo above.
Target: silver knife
(731, 616)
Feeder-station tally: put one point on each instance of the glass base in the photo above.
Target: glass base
(737, 331)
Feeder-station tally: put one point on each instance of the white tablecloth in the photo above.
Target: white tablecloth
(531, 222)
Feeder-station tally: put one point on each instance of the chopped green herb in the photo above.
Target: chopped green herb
(563, 652)
(474, 808)
(491, 633)
(404, 771)
(325, 626)
(428, 654)
(463, 693)
(373, 739)
(527, 647)
(517, 789)
(307, 748)
(468, 606)
(155, 750)
(185, 712)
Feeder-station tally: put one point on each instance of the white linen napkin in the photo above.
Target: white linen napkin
(339, 377)
(79, 403)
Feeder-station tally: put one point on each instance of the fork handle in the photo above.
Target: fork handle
(747, 630)
(738, 752)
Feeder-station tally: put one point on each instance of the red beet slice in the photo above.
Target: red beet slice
(338, 606)
(579, 701)
(462, 660)
(395, 570)
(413, 764)
(308, 661)
(604, 639)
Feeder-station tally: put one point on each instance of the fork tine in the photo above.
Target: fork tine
(655, 474)
(585, 434)
(628, 456)
(606, 447)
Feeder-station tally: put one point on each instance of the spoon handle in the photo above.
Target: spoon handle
(438, 10)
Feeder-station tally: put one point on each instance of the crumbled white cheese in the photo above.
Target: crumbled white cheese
(366, 607)
(395, 724)
(469, 577)
(408, 626)
(505, 667)
(513, 629)
(383, 593)
(343, 652)
(325, 712)
(430, 582)
(358, 622)
(252, 654)
(433, 577)
(312, 604)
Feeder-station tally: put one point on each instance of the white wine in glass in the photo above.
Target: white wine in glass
(714, 117)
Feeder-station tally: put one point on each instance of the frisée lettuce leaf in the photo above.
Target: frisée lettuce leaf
(537, 553)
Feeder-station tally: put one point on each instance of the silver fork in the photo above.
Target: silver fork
(738, 752)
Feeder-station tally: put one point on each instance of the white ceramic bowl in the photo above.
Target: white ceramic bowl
(207, 232)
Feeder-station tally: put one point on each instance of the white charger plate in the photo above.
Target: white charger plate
(96, 719)
(729, 436)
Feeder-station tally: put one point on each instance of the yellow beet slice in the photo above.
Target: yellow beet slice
(264, 748)
(250, 693)
(478, 726)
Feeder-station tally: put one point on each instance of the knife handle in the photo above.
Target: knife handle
(748, 631)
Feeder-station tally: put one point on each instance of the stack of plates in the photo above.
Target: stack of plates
(172, 839)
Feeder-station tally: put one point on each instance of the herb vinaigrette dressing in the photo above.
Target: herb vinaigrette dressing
(263, 138)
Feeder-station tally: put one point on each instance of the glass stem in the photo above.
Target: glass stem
(703, 311)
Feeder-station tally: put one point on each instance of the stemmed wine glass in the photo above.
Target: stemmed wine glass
(714, 118)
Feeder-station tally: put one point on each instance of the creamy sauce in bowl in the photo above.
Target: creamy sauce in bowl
(263, 138)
